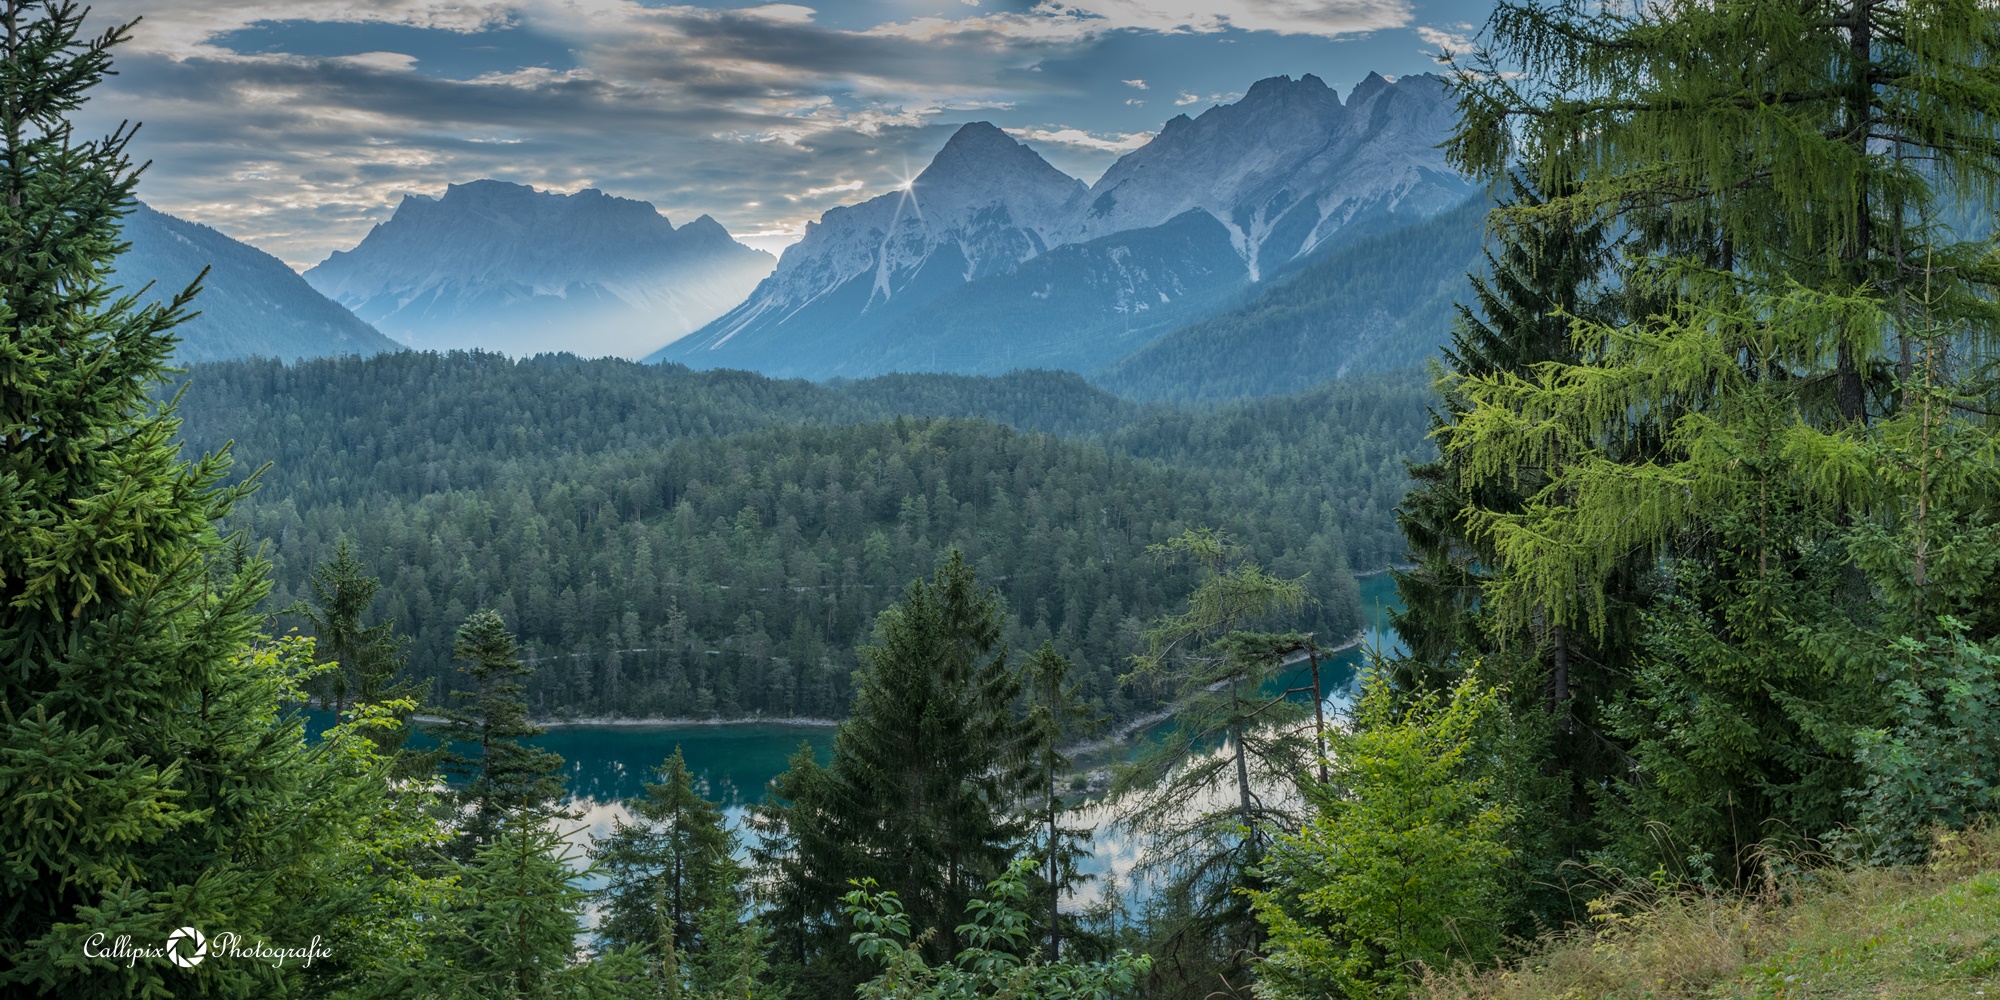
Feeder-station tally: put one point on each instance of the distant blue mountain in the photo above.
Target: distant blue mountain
(252, 304)
(508, 268)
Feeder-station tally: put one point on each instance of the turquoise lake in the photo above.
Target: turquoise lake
(732, 762)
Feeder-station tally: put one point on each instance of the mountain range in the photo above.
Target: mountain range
(993, 260)
(251, 303)
(507, 268)
(1255, 248)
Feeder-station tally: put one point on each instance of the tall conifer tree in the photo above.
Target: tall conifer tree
(153, 773)
(914, 796)
(508, 781)
(674, 887)
(1056, 717)
(368, 656)
(1235, 748)
(1550, 269)
(1781, 168)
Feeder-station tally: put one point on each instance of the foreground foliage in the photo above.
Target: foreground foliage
(1838, 933)
(1400, 869)
(998, 958)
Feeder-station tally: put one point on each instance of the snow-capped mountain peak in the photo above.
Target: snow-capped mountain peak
(983, 205)
(1284, 173)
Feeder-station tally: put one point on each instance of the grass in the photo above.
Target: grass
(1828, 934)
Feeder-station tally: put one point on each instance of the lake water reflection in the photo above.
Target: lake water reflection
(604, 765)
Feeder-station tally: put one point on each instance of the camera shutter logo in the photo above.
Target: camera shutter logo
(193, 937)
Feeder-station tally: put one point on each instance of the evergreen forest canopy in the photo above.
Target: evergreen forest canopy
(1702, 608)
(669, 543)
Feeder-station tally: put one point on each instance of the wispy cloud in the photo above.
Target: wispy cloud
(1447, 39)
(696, 108)
(1123, 142)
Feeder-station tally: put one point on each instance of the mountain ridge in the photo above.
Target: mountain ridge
(251, 304)
(501, 266)
(1287, 173)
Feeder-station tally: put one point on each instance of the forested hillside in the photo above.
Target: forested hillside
(1379, 303)
(677, 543)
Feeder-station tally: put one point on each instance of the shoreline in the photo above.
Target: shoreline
(1378, 572)
(619, 722)
(655, 722)
(1126, 730)
(1123, 732)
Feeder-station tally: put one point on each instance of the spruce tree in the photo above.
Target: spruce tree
(1550, 269)
(367, 658)
(673, 886)
(914, 796)
(513, 930)
(508, 781)
(154, 773)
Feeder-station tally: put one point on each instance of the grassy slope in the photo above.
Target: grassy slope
(1903, 933)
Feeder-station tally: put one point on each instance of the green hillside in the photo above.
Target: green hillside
(1379, 303)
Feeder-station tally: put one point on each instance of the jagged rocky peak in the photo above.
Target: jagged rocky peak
(1370, 85)
(980, 165)
(984, 204)
(503, 266)
(991, 199)
(1286, 166)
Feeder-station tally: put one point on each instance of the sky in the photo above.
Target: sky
(296, 126)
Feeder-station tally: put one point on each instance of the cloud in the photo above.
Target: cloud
(1452, 38)
(386, 62)
(1118, 142)
(697, 109)
(1331, 18)
(855, 185)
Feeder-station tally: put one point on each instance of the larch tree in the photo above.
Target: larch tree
(1782, 170)
(1213, 788)
(1057, 718)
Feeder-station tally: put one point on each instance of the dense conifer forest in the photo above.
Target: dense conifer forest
(671, 543)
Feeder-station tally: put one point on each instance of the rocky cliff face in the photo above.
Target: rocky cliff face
(1288, 167)
(505, 267)
(965, 271)
(985, 204)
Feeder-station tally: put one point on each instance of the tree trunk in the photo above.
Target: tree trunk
(1319, 714)
(1055, 872)
(1849, 395)
(1243, 782)
(1559, 696)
